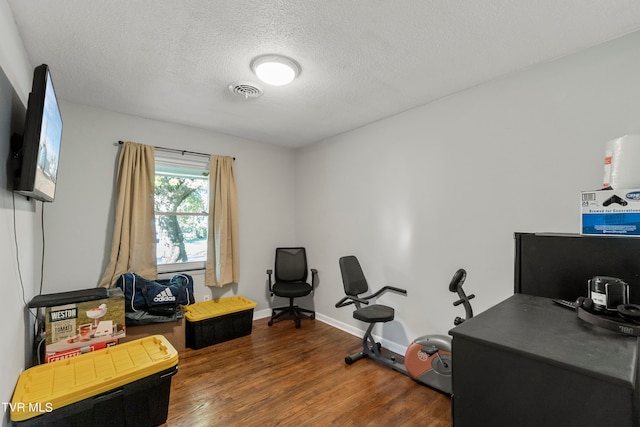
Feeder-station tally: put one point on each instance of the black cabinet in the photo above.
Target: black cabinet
(559, 265)
(529, 362)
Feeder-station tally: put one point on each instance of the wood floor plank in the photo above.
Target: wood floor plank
(283, 376)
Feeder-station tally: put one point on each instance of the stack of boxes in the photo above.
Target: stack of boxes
(78, 322)
(615, 210)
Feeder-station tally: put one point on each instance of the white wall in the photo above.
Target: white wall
(443, 186)
(79, 224)
(13, 58)
(18, 284)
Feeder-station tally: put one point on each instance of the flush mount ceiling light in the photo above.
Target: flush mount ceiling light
(275, 70)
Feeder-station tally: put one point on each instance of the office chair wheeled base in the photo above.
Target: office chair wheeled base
(291, 312)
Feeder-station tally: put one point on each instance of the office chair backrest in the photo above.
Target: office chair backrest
(352, 276)
(291, 265)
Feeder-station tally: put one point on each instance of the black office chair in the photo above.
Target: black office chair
(355, 284)
(291, 282)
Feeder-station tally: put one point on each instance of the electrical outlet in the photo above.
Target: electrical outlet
(207, 297)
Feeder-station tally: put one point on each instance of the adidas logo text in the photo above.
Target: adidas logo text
(164, 296)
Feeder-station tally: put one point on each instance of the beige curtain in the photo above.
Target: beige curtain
(223, 260)
(134, 234)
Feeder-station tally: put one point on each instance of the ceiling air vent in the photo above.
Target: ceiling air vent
(246, 90)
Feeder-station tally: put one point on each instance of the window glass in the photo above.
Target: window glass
(181, 208)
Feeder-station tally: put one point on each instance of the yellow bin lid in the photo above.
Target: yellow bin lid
(63, 382)
(217, 307)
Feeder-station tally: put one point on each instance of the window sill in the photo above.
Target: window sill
(183, 267)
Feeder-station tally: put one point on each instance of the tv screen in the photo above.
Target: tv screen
(37, 157)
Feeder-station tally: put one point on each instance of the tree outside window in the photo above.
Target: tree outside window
(181, 212)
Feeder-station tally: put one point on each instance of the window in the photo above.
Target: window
(181, 210)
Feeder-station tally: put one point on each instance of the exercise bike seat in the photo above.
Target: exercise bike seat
(374, 313)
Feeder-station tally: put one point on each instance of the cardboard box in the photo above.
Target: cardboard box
(173, 331)
(611, 212)
(61, 355)
(78, 326)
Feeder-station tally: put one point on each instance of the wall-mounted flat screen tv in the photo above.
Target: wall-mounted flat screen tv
(36, 156)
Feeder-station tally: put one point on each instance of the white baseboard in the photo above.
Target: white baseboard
(396, 348)
(261, 314)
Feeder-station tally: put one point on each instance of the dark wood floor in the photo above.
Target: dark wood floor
(283, 376)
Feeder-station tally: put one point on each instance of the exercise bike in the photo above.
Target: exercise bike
(428, 358)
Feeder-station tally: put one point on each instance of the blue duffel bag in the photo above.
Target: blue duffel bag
(160, 297)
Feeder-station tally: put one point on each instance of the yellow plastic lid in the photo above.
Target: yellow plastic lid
(63, 382)
(217, 307)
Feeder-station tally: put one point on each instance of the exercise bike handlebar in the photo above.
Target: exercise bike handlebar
(456, 287)
(460, 301)
(351, 299)
(385, 289)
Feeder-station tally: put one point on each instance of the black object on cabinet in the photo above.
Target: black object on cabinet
(559, 265)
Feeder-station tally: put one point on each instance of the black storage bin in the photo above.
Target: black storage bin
(125, 385)
(216, 321)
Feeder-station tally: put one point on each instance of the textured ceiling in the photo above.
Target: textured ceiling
(361, 60)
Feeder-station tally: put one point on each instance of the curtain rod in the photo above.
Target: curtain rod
(175, 150)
